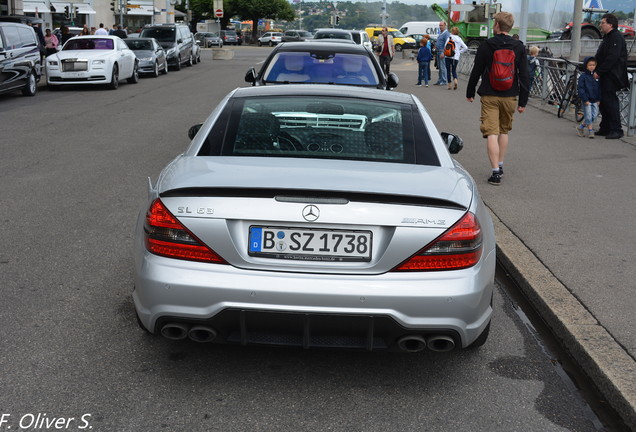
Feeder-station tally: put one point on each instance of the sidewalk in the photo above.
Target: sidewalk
(564, 219)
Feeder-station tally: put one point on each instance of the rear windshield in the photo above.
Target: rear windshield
(161, 34)
(332, 35)
(331, 68)
(139, 45)
(320, 127)
(88, 44)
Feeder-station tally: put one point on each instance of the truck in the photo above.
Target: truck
(589, 27)
(474, 29)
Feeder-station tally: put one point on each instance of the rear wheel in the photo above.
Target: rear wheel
(114, 78)
(178, 65)
(155, 71)
(398, 47)
(259, 43)
(31, 86)
(189, 63)
(271, 43)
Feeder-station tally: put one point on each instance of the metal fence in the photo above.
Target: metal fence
(549, 86)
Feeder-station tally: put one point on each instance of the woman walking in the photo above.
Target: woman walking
(50, 42)
(452, 50)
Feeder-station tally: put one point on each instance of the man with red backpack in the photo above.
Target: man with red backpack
(502, 65)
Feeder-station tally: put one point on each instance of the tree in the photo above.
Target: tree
(256, 10)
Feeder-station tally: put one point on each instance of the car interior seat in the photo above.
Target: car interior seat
(385, 139)
(294, 69)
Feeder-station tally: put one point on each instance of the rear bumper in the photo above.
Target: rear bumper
(299, 309)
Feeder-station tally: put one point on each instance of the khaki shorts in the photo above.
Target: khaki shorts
(496, 114)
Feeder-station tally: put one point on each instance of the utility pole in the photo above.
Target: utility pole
(523, 24)
(384, 13)
(575, 48)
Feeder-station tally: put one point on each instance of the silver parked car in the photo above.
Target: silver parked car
(208, 39)
(270, 38)
(307, 216)
(152, 57)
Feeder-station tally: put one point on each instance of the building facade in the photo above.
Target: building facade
(55, 13)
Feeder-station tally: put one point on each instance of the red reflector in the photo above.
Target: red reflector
(458, 248)
(166, 236)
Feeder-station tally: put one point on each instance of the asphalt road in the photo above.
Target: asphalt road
(73, 169)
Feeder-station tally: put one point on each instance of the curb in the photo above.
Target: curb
(607, 364)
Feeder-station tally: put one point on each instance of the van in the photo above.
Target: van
(430, 28)
(401, 41)
(20, 61)
(176, 40)
(361, 38)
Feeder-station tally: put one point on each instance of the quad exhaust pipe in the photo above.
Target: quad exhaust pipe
(180, 331)
(417, 343)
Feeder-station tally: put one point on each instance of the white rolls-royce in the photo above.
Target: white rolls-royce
(92, 60)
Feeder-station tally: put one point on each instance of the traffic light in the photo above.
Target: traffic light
(114, 6)
(337, 20)
(67, 13)
(76, 13)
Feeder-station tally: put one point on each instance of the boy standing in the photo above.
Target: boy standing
(590, 95)
(424, 60)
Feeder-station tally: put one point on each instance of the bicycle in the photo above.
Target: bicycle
(571, 95)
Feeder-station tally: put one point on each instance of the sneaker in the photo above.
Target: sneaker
(500, 171)
(418, 85)
(494, 179)
(426, 85)
(590, 134)
(580, 131)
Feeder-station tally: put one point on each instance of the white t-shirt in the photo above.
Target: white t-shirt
(101, 31)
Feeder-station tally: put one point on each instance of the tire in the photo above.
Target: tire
(271, 43)
(165, 69)
(398, 47)
(178, 65)
(473, 44)
(259, 43)
(588, 33)
(483, 337)
(155, 71)
(190, 62)
(31, 87)
(134, 79)
(114, 78)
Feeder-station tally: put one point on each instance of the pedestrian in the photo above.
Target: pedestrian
(85, 31)
(452, 50)
(50, 43)
(499, 89)
(590, 95)
(101, 30)
(534, 68)
(386, 50)
(66, 34)
(424, 57)
(441, 43)
(119, 32)
(611, 70)
(113, 30)
(93, 30)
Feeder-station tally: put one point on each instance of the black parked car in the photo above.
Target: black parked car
(322, 63)
(20, 64)
(230, 37)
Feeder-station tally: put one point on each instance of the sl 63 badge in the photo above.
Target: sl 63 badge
(195, 210)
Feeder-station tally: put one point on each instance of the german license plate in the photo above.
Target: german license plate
(74, 74)
(310, 244)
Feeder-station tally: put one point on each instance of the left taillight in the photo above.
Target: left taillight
(458, 248)
(166, 236)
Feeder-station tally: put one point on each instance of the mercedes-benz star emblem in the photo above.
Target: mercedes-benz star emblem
(311, 213)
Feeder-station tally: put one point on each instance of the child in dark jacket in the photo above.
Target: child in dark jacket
(590, 95)
(424, 57)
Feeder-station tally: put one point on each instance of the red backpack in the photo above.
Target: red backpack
(502, 70)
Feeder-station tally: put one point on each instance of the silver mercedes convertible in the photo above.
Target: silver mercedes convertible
(317, 216)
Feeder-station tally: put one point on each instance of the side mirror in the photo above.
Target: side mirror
(179, 41)
(392, 80)
(453, 142)
(192, 132)
(250, 76)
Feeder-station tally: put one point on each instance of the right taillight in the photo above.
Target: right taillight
(166, 236)
(458, 248)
